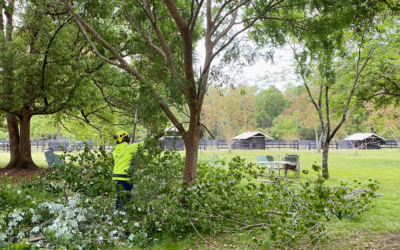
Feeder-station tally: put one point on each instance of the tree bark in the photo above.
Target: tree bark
(325, 172)
(229, 144)
(192, 140)
(13, 135)
(317, 141)
(20, 144)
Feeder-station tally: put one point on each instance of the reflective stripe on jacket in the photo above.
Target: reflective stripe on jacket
(122, 159)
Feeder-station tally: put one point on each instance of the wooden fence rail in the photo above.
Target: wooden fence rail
(203, 145)
(282, 144)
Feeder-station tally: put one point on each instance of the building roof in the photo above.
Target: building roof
(247, 135)
(171, 129)
(362, 136)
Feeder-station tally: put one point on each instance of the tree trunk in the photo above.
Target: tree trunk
(192, 140)
(398, 144)
(58, 132)
(229, 144)
(13, 135)
(317, 141)
(20, 144)
(325, 172)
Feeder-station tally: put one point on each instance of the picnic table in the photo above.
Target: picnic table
(274, 164)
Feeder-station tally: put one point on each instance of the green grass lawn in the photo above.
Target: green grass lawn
(37, 157)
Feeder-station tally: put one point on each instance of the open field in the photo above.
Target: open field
(381, 165)
(378, 228)
(37, 156)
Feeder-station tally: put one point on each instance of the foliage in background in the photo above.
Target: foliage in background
(382, 78)
(269, 104)
(230, 111)
(285, 128)
(386, 119)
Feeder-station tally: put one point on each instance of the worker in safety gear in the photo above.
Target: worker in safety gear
(122, 161)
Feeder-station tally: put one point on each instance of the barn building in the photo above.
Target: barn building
(251, 140)
(365, 141)
(172, 139)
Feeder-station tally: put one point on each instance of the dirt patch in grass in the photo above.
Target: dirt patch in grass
(386, 241)
(379, 241)
(20, 175)
(368, 241)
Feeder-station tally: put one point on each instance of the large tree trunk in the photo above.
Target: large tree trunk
(317, 141)
(192, 140)
(20, 144)
(325, 172)
(13, 135)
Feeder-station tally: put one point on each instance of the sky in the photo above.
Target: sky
(278, 72)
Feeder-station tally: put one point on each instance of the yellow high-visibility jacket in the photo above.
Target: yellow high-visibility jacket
(122, 159)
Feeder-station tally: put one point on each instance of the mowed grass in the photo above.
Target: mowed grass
(37, 157)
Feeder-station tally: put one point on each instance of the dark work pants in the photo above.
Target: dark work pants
(122, 198)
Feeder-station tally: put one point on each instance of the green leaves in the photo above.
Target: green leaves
(269, 103)
(79, 7)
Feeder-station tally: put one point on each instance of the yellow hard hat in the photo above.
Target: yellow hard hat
(120, 135)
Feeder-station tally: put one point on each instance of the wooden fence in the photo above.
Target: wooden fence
(312, 145)
(390, 144)
(5, 145)
(282, 144)
(204, 145)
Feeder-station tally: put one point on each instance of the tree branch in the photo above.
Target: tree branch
(227, 29)
(237, 7)
(220, 9)
(193, 20)
(164, 45)
(83, 25)
(46, 53)
(205, 70)
(358, 73)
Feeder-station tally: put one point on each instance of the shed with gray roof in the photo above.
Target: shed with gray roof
(251, 140)
(365, 140)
